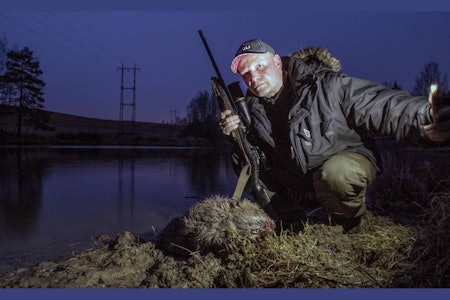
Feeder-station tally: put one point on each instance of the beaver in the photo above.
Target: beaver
(216, 224)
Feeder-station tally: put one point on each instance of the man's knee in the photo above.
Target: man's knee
(348, 173)
(341, 183)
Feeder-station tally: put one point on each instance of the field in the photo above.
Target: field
(66, 129)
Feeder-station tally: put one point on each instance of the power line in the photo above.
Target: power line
(69, 38)
(53, 41)
(66, 37)
(85, 37)
(148, 89)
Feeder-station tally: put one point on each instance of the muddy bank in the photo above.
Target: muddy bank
(384, 254)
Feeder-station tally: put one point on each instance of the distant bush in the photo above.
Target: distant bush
(82, 137)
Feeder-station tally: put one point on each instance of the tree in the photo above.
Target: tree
(3, 53)
(23, 87)
(202, 116)
(3, 57)
(430, 74)
(202, 108)
(394, 85)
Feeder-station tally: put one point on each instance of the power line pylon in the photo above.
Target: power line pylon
(124, 103)
(173, 116)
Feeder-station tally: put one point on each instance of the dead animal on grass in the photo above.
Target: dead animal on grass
(218, 225)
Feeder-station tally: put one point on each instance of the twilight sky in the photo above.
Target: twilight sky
(80, 51)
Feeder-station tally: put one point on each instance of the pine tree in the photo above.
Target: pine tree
(22, 78)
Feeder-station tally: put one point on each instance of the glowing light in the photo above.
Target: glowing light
(433, 90)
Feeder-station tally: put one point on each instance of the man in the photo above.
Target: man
(312, 122)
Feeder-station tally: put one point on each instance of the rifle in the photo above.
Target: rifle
(251, 157)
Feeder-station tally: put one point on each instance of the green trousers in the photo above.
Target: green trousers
(340, 184)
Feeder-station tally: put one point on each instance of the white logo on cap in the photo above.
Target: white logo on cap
(246, 47)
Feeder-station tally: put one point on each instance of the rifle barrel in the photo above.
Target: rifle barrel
(213, 61)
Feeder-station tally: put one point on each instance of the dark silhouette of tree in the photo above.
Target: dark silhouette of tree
(22, 86)
(203, 116)
(430, 74)
(395, 85)
(3, 53)
(3, 57)
(202, 108)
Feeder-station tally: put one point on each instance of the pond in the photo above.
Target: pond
(54, 201)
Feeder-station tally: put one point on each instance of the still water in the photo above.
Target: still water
(54, 201)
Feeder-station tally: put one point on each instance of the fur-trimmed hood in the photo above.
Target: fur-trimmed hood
(318, 55)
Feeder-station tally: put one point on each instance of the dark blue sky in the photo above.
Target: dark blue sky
(80, 51)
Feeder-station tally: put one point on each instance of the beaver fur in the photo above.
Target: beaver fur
(216, 224)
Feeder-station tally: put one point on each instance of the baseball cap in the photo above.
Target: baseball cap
(249, 47)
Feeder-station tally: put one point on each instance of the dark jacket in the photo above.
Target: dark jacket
(330, 111)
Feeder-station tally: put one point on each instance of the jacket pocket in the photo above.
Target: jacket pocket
(328, 129)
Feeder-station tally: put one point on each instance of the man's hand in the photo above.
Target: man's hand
(439, 130)
(228, 122)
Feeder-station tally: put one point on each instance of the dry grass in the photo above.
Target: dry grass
(431, 264)
(388, 252)
(322, 256)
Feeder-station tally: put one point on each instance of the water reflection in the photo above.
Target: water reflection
(53, 201)
(129, 185)
(20, 193)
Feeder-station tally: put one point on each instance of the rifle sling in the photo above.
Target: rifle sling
(242, 182)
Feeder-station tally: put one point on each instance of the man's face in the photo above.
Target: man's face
(262, 73)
